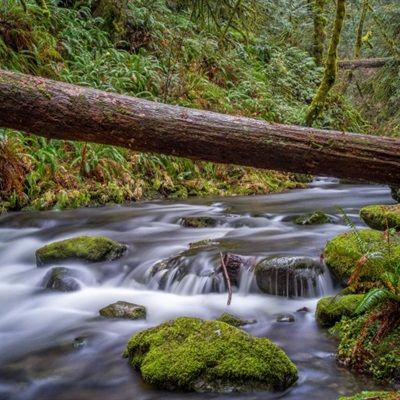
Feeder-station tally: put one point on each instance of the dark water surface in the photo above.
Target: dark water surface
(55, 346)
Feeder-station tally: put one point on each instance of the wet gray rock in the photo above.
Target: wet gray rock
(288, 276)
(123, 309)
(285, 318)
(62, 279)
(198, 222)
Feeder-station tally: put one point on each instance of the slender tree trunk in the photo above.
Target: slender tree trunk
(330, 72)
(64, 111)
(319, 19)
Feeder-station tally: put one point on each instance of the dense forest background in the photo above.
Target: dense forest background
(256, 58)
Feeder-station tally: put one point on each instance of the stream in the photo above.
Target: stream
(54, 345)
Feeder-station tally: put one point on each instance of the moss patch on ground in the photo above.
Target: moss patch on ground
(379, 358)
(196, 355)
(84, 248)
(331, 309)
(373, 396)
(342, 253)
(381, 217)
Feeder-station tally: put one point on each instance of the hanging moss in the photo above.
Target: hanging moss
(330, 71)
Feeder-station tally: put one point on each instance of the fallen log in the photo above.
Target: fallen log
(365, 63)
(64, 111)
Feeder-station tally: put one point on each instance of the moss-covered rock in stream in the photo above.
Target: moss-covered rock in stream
(62, 279)
(123, 309)
(377, 357)
(288, 276)
(381, 217)
(81, 248)
(395, 192)
(317, 217)
(373, 396)
(331, 309)
(342, 253)
(233, 320)
(195, 355)
(198, 222)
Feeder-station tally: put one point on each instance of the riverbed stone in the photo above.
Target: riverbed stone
(381, 217)
(191, 354)
(331, 309)
(317, 217)
(82, 248)
(233, 320)
(61, 279)
(285, 318)
(123, 309)
(342, 253)
(288, 276)
(198, 222)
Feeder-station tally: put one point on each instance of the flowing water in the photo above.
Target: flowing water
(55, 345)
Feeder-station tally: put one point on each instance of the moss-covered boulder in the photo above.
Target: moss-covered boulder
(81, 248)
(233, 320)
(317, 217)
(375, 354)
(288, 276)
(381, 217)
(62, 279)
(373, 396)
(123, 309)
(395, 192)
(331, 309)
(198, 222)
(342, 253)
(195, 355)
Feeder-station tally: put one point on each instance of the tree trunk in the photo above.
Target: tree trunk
(320, 21)
(63, 111)
(366, 63)
(330, 71)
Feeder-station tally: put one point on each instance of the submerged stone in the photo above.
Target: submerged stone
(342, 253)
(198, 222)
(191, 354)
(381, 217)
(233, 320)
(288, 276)
(123, 309)
(81, 248)
(285, 318)
(61, 279)
(331, 309)
(317, 217)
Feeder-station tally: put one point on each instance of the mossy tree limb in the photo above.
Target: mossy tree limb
(331, 67)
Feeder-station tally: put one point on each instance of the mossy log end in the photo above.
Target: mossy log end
(64, 111)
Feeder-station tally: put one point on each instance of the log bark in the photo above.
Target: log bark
(365, 63)
(64, 111)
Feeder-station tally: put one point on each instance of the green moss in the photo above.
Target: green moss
(343, 251)
(86, 248)
(198, 222)
(381, 217)
(331, 309)
(373, 396)
(381, 359)
(233, 320)
(317, 217)
(193, 354)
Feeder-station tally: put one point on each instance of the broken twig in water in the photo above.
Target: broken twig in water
(227, 280)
